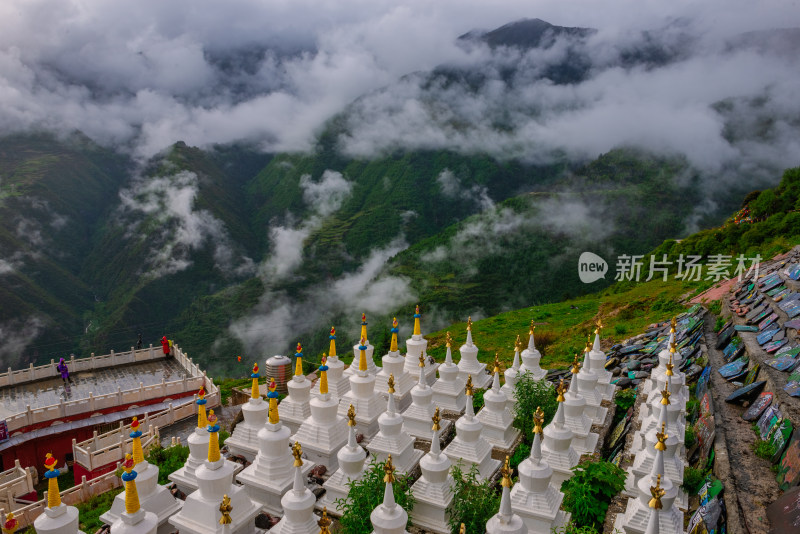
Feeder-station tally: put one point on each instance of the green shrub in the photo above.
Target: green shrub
(715, 307)
(474, 502)
(718, 324)
(91, 510)
(223, 436)
(689, 437)
(167, 460)
(522, 452)
(624, 399)
(692, 409)
(764, 449)
(477, 399)
(589, 491)
(693, 479)
(620, 329)
(529, 395)
(366, 494)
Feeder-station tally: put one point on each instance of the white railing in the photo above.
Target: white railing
(72, 496)
(16, 481)
(93, 403)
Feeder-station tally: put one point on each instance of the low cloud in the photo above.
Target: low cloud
(15, 336)
(452, 187)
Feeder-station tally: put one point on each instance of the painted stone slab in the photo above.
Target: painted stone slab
(776, 291)
(630, 349)
(757, 408)
(618, 433)
(752, 374)
(792, 388)
(747, 392)
(736, 355)
(706, 406)
(732, 346)
(702, 382)
(745, 328)
(773, 346)
(780, 437)
(782, 363)
(757, 319)
(734, 368)
(795, 324)
(772, 284)
(705, 430)
(789, 466)
(765, 337)
(780, 335)
(755, 311)
(768, 420)
(788, 350)
(794, 312)
(725, 337)
(767, 322)
(784, 514)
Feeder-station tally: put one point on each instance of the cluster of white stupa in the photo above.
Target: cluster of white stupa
(391, 406)
(659, 452)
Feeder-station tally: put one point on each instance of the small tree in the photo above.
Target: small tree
(474, 502)
(530, 394)
(589, 491)
(366, 494)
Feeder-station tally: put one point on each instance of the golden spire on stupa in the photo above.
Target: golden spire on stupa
(656, 492)
(351, 416)
(436, 419)
(298, 361)
(468, 387)
(225, 509)
(395, 330)
(254, 394)
(53, 495)
(538, 420)
(129, 477)
(560, 390)
(297, 452)
(662, 438)
(274, 418)
(332, 338)
(324, 522)
(417, 326)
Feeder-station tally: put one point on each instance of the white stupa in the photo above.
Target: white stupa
(394, 365)
(297, 503)
(369, 404)
(184, 478)
(663, 409)
(370, 350)
(296, 407)
(351, 467)
(531, 358)
(468, 364)
(506, 521)
(338, 384)
(58, 518)
(150, 496)
(589, 389)
(414, 348)
(598, 364)
(448, 390)
(244, 439)
(391, 440)
(511, 375)
(585, 441)
(534, 498)
(645, 460)
(134, 519)
(656, 486)
(468, 447)
(270, 475)
(324, 432)
(433, 490)
(658, 381)
(202, 512)
(389, 517)
(557, 449)
(497, 420)
(417, 417)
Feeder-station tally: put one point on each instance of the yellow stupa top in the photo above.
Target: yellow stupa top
(497, 363)
(364, 327)
(673, 324)
(297, 452)
(518, 344)
(656, 492)
(505, 471)
(436, 419)
(388, 470)
(332, 346)
(202, 422)
(254, 394)
(468, 387)
(588, 346)
(417, 326)
(576, 364)
(213, 442)
(598, 326)
(136, 446)
(533, 327)
(225, 509)
(390, 383)
(469, 324)
(53, 495)
(462, 529)
(351, 416)
(274, 417)
(662, 438)
(393, 346)
(421, 360)
(665, 394)
(298, 361)
(538, 420)
(448, 340)
(324, 522)
(323, 376)
(560, 390)
(362, 355)
(131, 495)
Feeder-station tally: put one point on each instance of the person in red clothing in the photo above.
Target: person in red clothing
(165, 346)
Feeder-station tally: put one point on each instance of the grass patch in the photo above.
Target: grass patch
(764, 449)
(693, 479)
(168, 460)
(91, 510)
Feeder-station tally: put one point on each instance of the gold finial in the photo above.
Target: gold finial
(656, 492)
(213, 440)
(518, 344)
(323, 375)
(364, 326)
(388, 470)
(462, 529)
(298, 361)
(538, 420)
(496, 364)
(131, 495)
(297, 451)
(598, 326)
(588, 346)
(449, 340)
(561, 389)
(53, 495)
(576, 364)
(505, 471)
(469, 324)
(436, 420)
(324, 522)
(332, 346)
(395, 330)
(421, 360)
(665, 394)
(351, 416)
(533, 327)
(468, 387)
(272, 395)
(673, 324)
(662, 438)
(390, 382)
(417, 317)
(225, 508)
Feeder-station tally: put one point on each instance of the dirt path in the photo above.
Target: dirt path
(751, 486)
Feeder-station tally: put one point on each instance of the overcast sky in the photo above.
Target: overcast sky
(145, 74)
